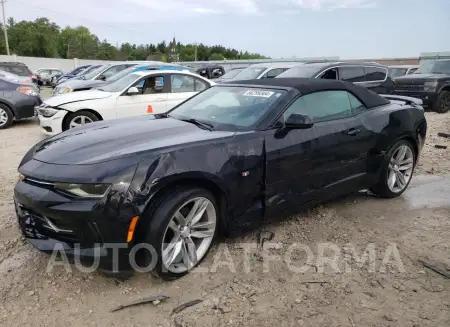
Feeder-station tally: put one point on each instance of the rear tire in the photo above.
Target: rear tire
(6, 116)
(400, 159)
(443, 102)
(79, 118)
(163, 219)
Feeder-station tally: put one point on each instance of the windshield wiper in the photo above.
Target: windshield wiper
(199, 123)
(101, 90)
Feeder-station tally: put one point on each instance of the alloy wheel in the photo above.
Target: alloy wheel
(445, 104)
(3, 117)
(79, 120)
(401, 167)
(189, 235)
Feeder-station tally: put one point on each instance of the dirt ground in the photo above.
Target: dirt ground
(401, 292)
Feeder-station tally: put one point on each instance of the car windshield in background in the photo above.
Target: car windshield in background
(231, 74)
(434, 67)
(397, 72)
(18, 70)
(120, 84)
(249, 73)
(94, 72)
(121, 74)
(232, 106)
(300, 71)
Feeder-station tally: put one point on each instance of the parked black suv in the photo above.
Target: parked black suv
(370, 75)
(17, 68)
(430, 83)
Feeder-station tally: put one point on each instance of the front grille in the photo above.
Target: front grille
(409, 87)
(46, 222)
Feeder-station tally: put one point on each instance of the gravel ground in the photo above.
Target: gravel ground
(356, 295)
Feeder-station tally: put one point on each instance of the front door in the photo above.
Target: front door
(324, 161)
(183, 87)
(152, 98)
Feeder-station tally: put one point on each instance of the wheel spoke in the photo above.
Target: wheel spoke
(203, 230)
(405, 167)
(406, 164)
(174, 227)
(172, 250)
(392, 179)
(401, 154)
(82, 120)
(190, 253)
(197, 211)
(400, 180)
(180, 218)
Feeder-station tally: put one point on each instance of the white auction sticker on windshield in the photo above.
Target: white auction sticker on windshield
(258, 93)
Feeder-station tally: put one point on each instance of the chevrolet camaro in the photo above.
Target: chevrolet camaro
(230, 157)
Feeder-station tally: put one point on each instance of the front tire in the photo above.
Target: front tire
(181, 228)
(79, 118)
(443, 102)
(397, 170)
(6, 116)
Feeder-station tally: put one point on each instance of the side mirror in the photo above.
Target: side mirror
(296, 121)
(132, 91)
(102, 77)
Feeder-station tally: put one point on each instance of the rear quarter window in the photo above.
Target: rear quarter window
(352, 74)
(375, 74)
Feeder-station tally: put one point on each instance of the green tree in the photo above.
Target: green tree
(43, 38)
(217, 56)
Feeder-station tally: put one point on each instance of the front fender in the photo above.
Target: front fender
(445, 86)
(156, 173)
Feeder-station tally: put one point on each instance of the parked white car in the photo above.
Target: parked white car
(139, 93)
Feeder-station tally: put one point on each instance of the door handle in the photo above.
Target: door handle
(159, 99)
(353, 131)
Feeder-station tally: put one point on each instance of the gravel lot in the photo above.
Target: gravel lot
(417, 223)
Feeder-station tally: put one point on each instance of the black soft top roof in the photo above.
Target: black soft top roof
(309, 85)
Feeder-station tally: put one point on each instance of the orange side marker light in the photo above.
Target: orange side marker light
(149, 109)
(132, 228)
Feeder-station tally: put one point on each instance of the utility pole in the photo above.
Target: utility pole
(195, 51)
(4, 27)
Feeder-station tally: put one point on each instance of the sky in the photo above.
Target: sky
(275, 28)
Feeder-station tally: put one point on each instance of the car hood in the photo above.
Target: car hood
(81, 84)
(73, 82)
(118, 138)
(66, 98)
(420, 77)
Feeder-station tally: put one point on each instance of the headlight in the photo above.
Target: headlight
(63, 90)
(47, 112)
(84, 190)
(27, 90)
(430, 86)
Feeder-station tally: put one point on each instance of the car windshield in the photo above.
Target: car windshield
(231, 74)
(434, 67)
(94, 72)
(249, 73)
(300, 71)
(121, 74)
(120, 84)
(397, 72)
(230, 107)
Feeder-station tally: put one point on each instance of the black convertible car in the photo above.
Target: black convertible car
(232, 156)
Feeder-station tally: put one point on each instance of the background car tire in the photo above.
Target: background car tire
(157, 219)
(77, 114)
(381, 188)
(443, 102)
(9, 116)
